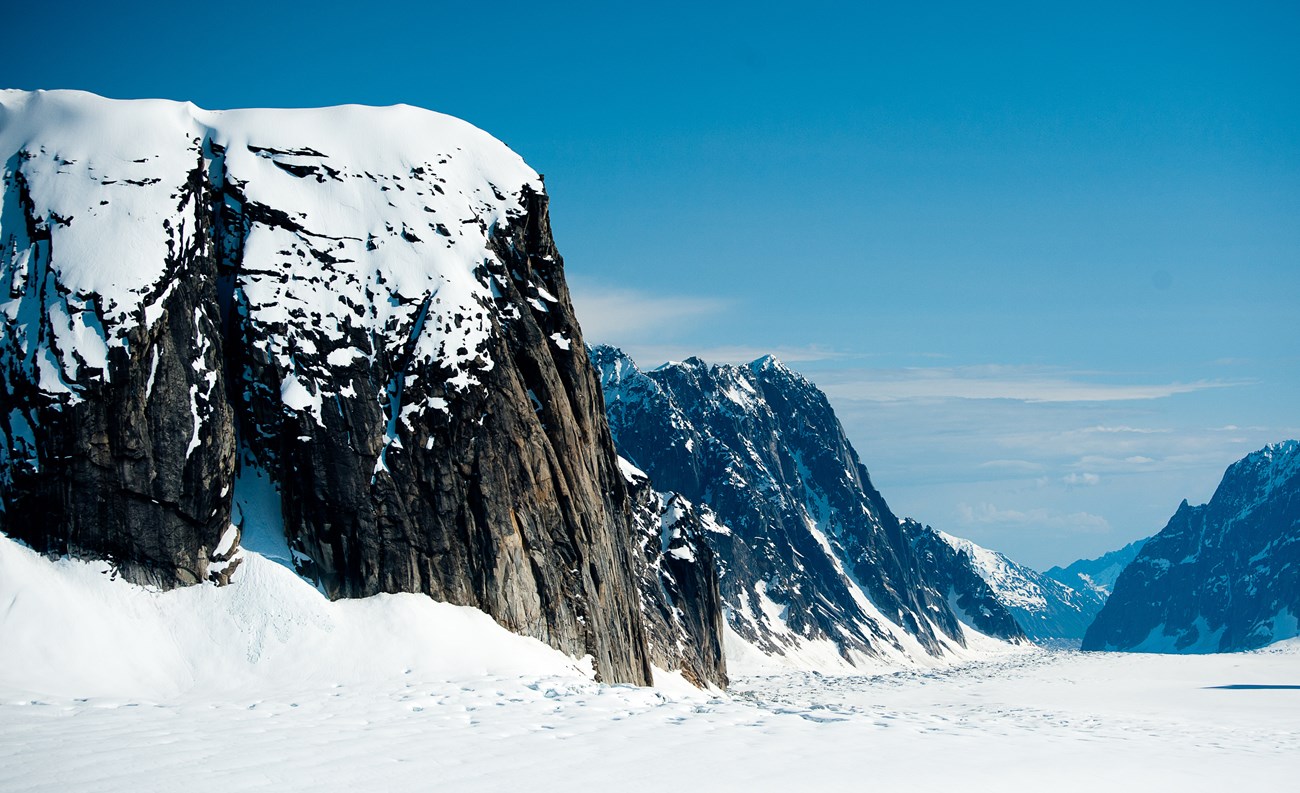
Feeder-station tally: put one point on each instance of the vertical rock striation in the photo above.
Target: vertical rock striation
(679, 582)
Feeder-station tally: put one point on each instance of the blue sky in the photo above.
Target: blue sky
(1044, 258)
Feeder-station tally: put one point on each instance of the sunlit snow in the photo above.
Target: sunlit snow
(264, 684)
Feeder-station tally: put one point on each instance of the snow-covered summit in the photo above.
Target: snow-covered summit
(398, 202)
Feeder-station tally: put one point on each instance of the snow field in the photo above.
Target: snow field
(266, 685)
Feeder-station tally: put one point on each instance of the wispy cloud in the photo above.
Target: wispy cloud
(616, 316)
(647, 327)
(990, 515)
(1081, 480)
(1022, 384)
(650, 355)
(1012, 465)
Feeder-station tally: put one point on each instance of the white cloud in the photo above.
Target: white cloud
(616, 316)
(1011, 465)
(645, 325)
(990, 515)
(1023, 384)
(1123, 429)
(651, 355)
(1081, 480)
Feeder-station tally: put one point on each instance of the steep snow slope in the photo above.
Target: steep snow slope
(1221, 576)
(109, 187)
(72, 629)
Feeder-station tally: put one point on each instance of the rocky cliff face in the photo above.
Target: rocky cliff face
(119, 438)
(1222, 576)
(679, 582)
(809, 553)
(367, 302)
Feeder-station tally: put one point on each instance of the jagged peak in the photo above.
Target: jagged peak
(603, 355)
(620, 378)
(694, 362)
(772, 366)
(608, 350)
(1267, 466)
(1276, 453)
(768, 361)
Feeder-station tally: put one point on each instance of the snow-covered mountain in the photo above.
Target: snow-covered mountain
(951, 569)
(1221, 576)
(1048, 611)
(812, 562)
(1097, 575)
(359, 309)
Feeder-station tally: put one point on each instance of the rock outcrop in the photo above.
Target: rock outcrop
(1219, 577)
(679, 582)
(1046, 610)
(365, 301)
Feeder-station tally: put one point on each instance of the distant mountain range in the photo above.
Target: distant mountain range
(810, 553)
(1097, 575)
(1049, 611)
(806, 534)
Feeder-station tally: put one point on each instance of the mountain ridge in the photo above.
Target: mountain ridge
(1219, 577)
(812, 553)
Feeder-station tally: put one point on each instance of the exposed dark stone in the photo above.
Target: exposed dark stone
(498, 489)
(116, 471)
(679, 584)
(495, 504)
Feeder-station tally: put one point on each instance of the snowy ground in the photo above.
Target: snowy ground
(330, 700)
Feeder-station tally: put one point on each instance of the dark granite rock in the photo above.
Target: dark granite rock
(679, 583)
(508, 500)
(953, 572)
(132, 464)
